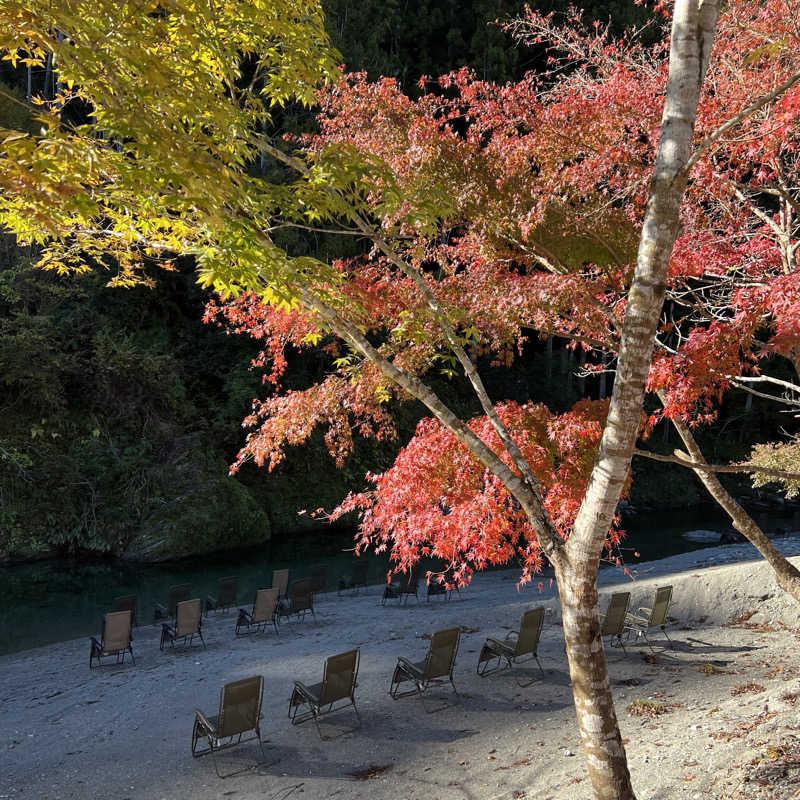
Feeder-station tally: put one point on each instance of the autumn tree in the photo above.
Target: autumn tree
(730, 318)
(461, 197)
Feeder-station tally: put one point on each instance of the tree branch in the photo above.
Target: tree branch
(527, 494)
(684, 460)
(738, 119)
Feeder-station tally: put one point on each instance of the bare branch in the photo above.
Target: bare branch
(785, 401)
(684, 460)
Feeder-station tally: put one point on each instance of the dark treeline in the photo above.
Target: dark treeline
(120, 410)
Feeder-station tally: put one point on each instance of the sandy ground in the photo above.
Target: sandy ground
(730, 694)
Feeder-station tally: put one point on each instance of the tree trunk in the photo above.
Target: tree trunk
(693, 27)
(786, 574)
(606, 762)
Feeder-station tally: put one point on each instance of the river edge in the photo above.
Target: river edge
(630, 512)
(124, 731)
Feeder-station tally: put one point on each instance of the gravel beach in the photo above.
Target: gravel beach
(722, 717)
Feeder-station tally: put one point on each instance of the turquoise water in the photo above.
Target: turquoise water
(55, 600)
(52, 601)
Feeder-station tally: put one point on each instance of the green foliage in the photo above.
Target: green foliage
(121, 413)
(784, 456)
(96, 398)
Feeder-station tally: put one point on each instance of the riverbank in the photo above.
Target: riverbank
(730, 696)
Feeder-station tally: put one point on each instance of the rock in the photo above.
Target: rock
(703, 536)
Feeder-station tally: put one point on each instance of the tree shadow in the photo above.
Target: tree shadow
(698, 646)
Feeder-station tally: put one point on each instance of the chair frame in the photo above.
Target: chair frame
(287, 611)
(177, 594)
(654, 617)
(317, 697)
(280, 581)
(205, 728)
(495, 651)
(170, 633)
(98, 650)
(355, 578)
(224, 599)
(622, 628)
(127, 602)
(319, 578)
(247, 618)
(419, 673)
(408, 585)
(436, 587)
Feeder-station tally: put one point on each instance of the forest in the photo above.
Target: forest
(123, 408)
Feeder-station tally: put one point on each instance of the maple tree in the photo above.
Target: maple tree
(486, 216)
(514, 260)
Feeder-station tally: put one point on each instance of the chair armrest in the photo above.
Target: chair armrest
(408, 666)
(512, 635)
(201, 718)
(302, 689)
(647, 611)
(95, 644)
(211, 603)
(501, 648)
(167, 628)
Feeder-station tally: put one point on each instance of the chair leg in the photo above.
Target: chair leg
(196, 736)
(394, 686)
(485, 668)
(214, 759)
(526, 684)
(315, 717)
(423, 687)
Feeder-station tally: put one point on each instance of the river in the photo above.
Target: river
(49, 601)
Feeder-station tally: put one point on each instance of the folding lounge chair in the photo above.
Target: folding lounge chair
(319, 578)
(177, 594)
(438, 665)
(301, 599)
(127, 602)
(406, 586)
(356, 578)
(655, 617)
(188, 622)
(225, 597)
(115, 639)
(437, 587)
(265, 610)
(613, 624)
(239, 712)
(517, 648)
(280, 581)
(338, 683)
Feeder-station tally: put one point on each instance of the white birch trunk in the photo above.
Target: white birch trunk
(693, 28)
